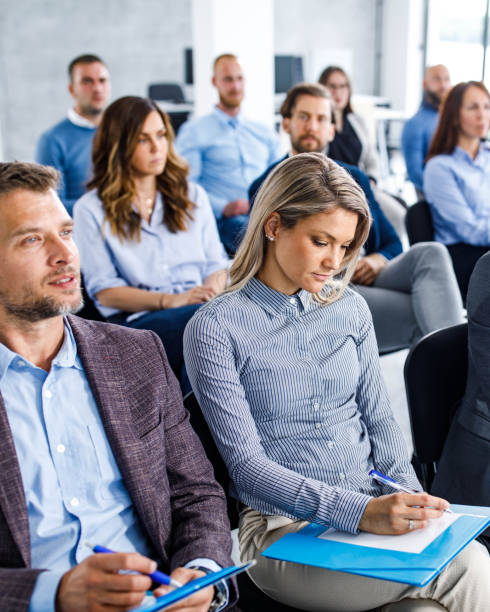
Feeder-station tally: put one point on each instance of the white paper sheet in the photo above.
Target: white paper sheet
(414, 542)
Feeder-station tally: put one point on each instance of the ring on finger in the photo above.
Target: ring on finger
(410, 524)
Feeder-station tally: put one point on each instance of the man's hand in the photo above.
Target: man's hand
(390, 514)
(94, 584)
(368, 268)
(196, 295)
(199, 602)
(237, 207)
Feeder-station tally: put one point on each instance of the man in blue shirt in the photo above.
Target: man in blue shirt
(226, 151)
(68, 145)
(96, 445)
(419, 130)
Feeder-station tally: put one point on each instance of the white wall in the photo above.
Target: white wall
(142, 41)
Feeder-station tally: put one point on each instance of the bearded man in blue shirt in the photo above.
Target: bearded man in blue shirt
(226, 151)
(96, 444)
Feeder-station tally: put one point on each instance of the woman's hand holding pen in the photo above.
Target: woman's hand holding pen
(400, 513)
(199, 602)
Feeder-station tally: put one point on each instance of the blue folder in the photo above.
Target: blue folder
(416, 569)
(194, 586)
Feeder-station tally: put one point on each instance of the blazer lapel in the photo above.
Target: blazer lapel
(12, 497)
(110, 385)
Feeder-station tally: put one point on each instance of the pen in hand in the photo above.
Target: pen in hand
(156, 576)
(386, 480)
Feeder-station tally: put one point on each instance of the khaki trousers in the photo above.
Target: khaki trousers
(463, 585)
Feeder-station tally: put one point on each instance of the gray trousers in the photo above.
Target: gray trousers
(462, 586)
(415, 293)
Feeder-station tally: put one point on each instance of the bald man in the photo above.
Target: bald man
(419, 130)
(226, 151)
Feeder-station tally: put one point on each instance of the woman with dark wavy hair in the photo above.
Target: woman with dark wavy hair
(457, 177)
(149, 246)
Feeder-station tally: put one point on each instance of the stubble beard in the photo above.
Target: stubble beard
(32, 308)
(299, 148)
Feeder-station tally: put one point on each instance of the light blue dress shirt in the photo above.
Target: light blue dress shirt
(161, 261)
(226, 154)
(293, 393)
(73, 487)
(457, 188)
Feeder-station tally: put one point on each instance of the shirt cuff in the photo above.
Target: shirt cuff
(212, 566)
(348, 511)
(44, 592)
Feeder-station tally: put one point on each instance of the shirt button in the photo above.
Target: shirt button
(74, 501)
(61, 448)
(48, 393)
(292, 301)
(21, 363)
(316, 405)
(342, 476)
(330, 444)
(318, 425)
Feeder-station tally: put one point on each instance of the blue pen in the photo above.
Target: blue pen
(156, 576)
(386, 480)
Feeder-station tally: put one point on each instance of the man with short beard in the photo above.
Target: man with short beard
(226, 151)
(96, 444)
(419, 130)
(68, 145)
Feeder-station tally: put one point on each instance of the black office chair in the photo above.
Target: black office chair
(435, 380)
(252, 598)
(172, 92)
(419, 224)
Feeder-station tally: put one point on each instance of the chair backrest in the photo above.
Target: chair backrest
(435, 379)
(419, 224)
(166, 91)
(201, 428)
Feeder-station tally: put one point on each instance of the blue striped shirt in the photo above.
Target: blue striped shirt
(293, 394)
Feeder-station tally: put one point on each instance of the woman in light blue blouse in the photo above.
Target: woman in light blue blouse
(285, 367)
(457, 178)
(148, 241)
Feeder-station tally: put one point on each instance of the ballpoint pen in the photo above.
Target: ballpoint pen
(156, 576)
(386, 480)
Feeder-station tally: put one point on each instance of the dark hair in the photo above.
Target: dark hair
(303, 89)
(325, 75)
(114, 145)
(87, 58)
(446, 136)
(29, 176)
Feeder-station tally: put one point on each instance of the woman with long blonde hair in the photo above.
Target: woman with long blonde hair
(285, 367)
(149, 246)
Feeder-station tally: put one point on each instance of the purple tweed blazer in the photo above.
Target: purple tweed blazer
(164, 467)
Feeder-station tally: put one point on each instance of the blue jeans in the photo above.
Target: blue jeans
(231, 231)
(169, 325)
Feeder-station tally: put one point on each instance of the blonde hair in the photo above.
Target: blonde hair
(302, 185)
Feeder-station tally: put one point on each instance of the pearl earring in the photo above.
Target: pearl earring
(270, 238)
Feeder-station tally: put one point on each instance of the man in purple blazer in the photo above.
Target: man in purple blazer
(96, 444)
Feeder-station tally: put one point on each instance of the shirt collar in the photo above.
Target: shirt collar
(77, 119)
(480, 159)
(66, 357)
(225, 118)
(275, 302)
